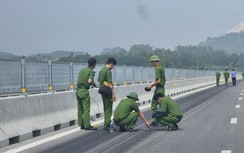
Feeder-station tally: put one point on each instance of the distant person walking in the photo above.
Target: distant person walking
(106, 83)
(85, 80)
(217, 77)
(227, 76)
(233, 76)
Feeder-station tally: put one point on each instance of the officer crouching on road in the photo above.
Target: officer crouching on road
(170, 113)
(124, 117)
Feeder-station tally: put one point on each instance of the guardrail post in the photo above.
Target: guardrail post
(124, 74)
(23, 76)
(133, 75)
(50, 86)
(140, 78)
(115, 76)
(71, 75)
(147, 74)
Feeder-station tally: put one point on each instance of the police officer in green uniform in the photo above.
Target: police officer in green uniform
(105, 78)
(170, 113)
(127, 113)
(217, 78)
(227, 76)
(85, 80)
(159, 83)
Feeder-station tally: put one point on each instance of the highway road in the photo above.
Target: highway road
(213, 122)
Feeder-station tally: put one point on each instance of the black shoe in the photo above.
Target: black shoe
(91, 128)
(108, 129)
(130, 130)
(154, 124)
(82, 128)
(173, 127)
(121, 129)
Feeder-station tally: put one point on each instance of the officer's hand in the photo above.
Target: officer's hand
(113, 98)
(94, 85)
(147, 124)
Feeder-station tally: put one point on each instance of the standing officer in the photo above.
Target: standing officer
(217, 77)
(170, 113)
(124, 117)
(105, 78)
(226, 75)
(159, 83)
(85, 79)
(233, 76)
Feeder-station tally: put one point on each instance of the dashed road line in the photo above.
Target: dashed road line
(233, 121)
(237, 106)
(241, 93)
(240, 98)
(225, 151)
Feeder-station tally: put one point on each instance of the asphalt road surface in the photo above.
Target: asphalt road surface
(213, 122)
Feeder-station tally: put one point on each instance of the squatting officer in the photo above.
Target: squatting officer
(105, 78)
(227, 76)
(85, 79)
(124, 117)
(170, 110)
(159, 83)
(217, 77)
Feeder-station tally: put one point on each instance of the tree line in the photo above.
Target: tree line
(189, 57)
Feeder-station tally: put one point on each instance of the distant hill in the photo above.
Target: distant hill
(55, 55)
(4, 55)
(230, 42)
(114, 51)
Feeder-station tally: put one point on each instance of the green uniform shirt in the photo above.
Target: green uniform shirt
(125, 107)
(169, 106)
(105, 75)
(160, 74)
(84, 75)
(226, 74)
(217, 75)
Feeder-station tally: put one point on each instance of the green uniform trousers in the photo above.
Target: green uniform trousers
(107, 108)
(226, 81)
(129, 121)
(167, 120)
(154, 103)
(83, 99)
(217, 81)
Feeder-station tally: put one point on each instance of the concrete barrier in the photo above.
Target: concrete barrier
(25, 117)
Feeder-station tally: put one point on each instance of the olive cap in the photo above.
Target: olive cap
(154, 58)
(133, 95)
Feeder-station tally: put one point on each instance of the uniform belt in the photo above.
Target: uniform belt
(160, 86)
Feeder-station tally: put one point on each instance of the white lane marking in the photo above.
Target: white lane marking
(225, 151)
(238, 106)
(240, 98)
(233, 121)
(241, 94)
(43, 141)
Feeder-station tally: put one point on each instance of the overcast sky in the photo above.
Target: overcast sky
(42, 26)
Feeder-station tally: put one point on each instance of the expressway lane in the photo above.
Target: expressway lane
(195, 106)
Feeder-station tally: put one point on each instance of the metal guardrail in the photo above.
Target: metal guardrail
(24, 76)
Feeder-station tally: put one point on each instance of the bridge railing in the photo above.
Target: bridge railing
(20, 76)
